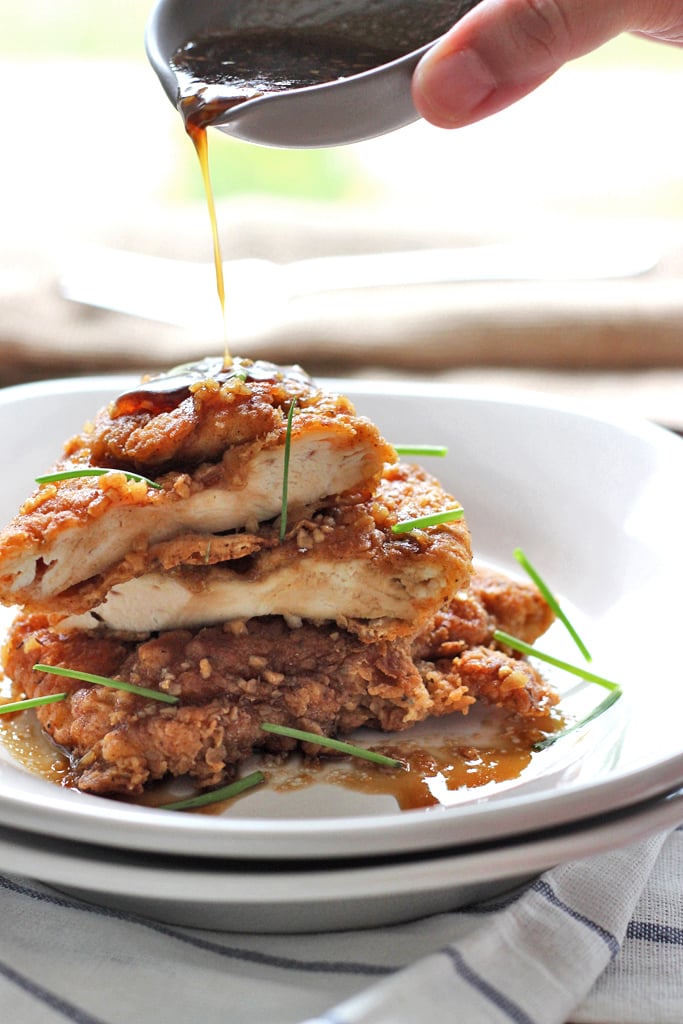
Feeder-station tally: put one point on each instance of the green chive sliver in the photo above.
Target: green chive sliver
(31, 702)
(551, 600)
(451, 516)
(524, 648)
(73, 474)
(438, 451)
(325, 741)
(216, 795)
(600, 708)
(114, 684)
(285, 471)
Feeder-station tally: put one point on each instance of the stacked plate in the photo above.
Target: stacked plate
(594, 504)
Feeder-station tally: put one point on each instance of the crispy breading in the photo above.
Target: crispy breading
(492, 601)
(228, 683)
(516, 607)
(231, 678)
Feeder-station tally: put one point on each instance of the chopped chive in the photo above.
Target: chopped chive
(285, 471)
(436, 450)
(31, 702)
(73, 474)
(551, 600)
(325, 741)
(114, 684)
(609, 700)
(524, 648)
(423, 521)
(216, 795)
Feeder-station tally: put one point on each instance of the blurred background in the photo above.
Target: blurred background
(95, 156)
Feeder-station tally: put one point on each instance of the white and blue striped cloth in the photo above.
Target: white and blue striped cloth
(597, 941)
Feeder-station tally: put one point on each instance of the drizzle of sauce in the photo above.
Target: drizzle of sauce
(30, 747)
(166, 391)
(432, 776)
(436, 773)
(201, 145)
(219, 71)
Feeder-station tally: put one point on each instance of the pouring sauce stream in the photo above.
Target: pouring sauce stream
(220, 71)
(201, 145)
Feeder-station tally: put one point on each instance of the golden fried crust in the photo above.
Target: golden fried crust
(232, 678)
(491, 676)
(212, 418)
(457, 651)
(513, 606)
(228, 684)
(491, 601)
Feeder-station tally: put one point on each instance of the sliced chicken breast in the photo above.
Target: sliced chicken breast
(344, 564)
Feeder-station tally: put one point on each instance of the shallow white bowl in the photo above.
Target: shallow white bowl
(594, 504)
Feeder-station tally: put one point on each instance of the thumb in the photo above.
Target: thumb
(503, 49)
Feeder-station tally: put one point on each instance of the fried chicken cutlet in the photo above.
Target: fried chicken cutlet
(232, 678)
(212, 441)
(195, 581)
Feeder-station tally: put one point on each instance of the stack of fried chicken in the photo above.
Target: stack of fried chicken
(180, 569)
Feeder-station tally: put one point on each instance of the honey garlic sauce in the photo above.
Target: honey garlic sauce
(436, 773)
(218, 71)
(165, 392)
(27, 744)
(201, 145)
(435, 770)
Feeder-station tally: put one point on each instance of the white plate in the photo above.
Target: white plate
(595, 505)
(318, 896)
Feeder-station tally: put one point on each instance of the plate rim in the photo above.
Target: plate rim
(529, 854)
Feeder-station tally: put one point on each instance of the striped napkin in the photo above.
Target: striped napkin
(600, 941)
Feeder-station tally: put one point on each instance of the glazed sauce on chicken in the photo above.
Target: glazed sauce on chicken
(167, 390)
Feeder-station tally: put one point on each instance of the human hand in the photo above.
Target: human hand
(503, 49)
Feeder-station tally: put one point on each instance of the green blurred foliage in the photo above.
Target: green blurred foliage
(241, 168)
(74, 28)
